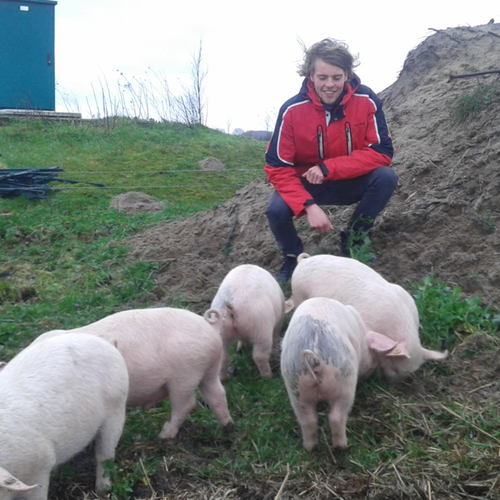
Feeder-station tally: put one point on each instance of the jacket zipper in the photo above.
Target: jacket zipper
(321, 146)
(348, 137)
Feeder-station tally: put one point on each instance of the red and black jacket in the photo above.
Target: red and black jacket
(351, 140)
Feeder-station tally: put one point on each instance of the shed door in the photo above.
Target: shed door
(27, 76)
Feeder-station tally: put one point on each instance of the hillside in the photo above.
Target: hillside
(443, 218)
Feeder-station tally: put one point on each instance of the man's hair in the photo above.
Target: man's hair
(332, 52)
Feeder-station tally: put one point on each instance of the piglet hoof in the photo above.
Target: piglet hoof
(167, 433)
(229, 428)
(310, 447)
(340, 445)
(162, 437)
(102, 494)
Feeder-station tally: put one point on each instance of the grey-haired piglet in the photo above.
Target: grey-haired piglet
(323, 354)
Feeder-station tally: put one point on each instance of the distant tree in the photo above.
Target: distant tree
(270, 119)
(191, 104)
(238, 131)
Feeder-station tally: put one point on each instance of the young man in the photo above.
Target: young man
(331, 146)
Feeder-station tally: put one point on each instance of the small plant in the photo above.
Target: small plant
(470, 106)
(445, 316)
(485, 222)
(123, 478)
(363, 252)
(359, 245)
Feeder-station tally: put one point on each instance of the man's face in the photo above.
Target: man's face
(328, 81)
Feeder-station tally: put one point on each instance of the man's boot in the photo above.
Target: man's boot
(286, 269)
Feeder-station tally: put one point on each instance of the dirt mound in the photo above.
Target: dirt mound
(441, 221)
(134, 202)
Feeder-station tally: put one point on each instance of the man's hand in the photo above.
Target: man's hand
(314, 175)
(317, 219)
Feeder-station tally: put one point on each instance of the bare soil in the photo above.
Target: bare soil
(442, 221)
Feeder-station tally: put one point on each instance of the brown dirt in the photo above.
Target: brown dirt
(442, 222)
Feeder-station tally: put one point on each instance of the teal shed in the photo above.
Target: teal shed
(27, 72)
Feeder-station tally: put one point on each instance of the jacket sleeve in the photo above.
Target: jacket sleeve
(376, 151)
(288, 185)
(280, 168)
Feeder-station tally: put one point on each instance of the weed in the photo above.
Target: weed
(362, 250)
(7, 294)
(358, 244)
(485, 222)
(125, 475)
(471, 105)
(445, 316)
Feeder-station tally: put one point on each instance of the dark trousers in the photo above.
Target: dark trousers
(371, 191)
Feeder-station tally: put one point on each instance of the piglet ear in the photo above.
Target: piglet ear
(384, 345)
(400, 350)
(289, 305)
(378, 342)
(9, 482)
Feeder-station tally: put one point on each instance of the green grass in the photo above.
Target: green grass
(63, 264)
(469, 106)
(446, 317)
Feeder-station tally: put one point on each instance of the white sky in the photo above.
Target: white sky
(250, 49)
